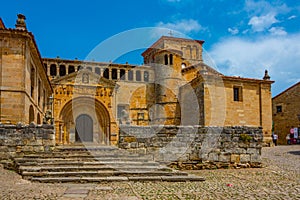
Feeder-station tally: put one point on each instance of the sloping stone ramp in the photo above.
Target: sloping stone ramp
(85, 164)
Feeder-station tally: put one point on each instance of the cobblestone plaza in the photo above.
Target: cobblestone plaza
(278, 179)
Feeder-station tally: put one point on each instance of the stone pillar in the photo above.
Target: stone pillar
(118, 74)
(109, 74)
(57, 69)
(126, 75)
(134, 75)
(67, 69)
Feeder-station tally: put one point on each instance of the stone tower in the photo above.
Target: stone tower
(169, 56)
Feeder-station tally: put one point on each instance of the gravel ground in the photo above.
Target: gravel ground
(279, 179)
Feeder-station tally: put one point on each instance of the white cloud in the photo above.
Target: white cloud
(233, 31)
(279, 31)
(262, 7)
(241, 57)
(292, 17)
(184, 26)
(262, 23)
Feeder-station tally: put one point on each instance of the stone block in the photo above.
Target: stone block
(224, 157)
(244, 158)
(213, 157)
(235, 158)
(252, 151)
(255, 158)
(239, 151)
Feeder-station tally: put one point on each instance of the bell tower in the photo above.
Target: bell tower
(168, 56)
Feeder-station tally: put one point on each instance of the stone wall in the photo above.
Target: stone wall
(21, 139)
(196, 147)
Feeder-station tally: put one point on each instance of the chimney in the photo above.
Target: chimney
(21, 25)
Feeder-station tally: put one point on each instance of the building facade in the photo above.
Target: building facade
(286, 112)
(173, 87)
(25, 87)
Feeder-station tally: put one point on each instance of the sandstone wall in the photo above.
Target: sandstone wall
(196, 147)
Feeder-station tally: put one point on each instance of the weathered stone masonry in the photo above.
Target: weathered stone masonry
(196, 147)
(19, 139)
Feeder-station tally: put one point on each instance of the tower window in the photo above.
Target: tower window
(166, 59)
(171, 59)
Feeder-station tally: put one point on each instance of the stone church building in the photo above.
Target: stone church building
(88, 101)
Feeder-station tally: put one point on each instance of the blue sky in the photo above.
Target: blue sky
(242, 37)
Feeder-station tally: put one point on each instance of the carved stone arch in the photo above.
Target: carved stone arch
(85, 106)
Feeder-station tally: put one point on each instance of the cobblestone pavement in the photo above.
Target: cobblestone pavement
(279, 179)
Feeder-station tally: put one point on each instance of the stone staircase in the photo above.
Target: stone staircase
(90, 163)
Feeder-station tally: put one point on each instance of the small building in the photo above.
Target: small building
(286, 112)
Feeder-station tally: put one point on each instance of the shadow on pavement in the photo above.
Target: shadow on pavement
(295, 152)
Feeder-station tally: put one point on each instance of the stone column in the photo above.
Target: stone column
(118, 74)
(109, 74)
(126, 75)
(134, 75)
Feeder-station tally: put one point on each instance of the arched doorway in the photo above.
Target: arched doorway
(83, 110)
(84, 128)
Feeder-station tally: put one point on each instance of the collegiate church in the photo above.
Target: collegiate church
(88, 101)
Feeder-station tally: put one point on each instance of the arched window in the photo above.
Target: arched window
(114, 74)
(38, 118)
(166, 59)
(90, 68)
(32, 80)
(130, 75)
(171, 59)
(122, 74)
(53, 70)
(138, 75)
(79, 68)
(31, 114)
(106, 73)
(97, 70)
(62, 70)
(71, 69)
(146, 76)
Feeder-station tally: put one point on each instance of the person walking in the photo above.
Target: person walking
(275, 138)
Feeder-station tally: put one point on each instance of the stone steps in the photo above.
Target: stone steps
(117, 179)
(78, 164)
